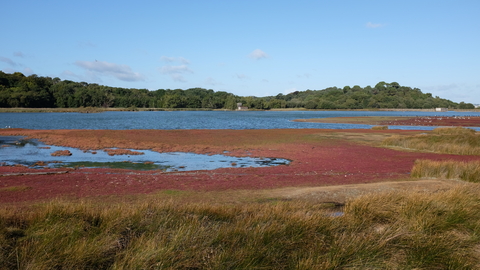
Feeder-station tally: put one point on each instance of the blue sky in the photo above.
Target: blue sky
(256, 48)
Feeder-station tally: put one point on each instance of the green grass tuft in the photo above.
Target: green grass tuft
(467, 171)
(379, 128)
(15, 188)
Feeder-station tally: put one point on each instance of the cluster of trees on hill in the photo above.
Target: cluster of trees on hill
(17, 90)
(383, 95)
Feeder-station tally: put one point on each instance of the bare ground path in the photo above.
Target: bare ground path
(342, 193)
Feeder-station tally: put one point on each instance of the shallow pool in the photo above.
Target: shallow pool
(16, 150)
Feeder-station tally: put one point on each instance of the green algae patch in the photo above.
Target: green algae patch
(146, 166)
(15, 188)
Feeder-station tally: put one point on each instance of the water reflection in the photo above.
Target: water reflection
(17, 150)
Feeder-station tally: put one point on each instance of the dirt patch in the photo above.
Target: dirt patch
(60, 153)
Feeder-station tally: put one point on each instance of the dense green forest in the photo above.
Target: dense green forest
(18, 90)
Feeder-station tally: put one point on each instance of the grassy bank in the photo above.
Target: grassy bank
(382, 231)
(460, 141)
(467, 171)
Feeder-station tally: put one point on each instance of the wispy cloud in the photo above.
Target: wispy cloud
(212, 81)
(70, 74)
(18, 54)
(373, 25)
(8, 61)
(86, 44)
(175, 69)
(174, 59)
(176, 72)
(28, 71)
(241, 76)
(258, 54)
(304, 75)
(167, 59)
(100, 68)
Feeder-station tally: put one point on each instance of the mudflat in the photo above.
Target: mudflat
(319, 158)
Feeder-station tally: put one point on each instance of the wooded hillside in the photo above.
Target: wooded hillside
(18, 90)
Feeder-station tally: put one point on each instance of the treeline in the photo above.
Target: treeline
(17, 90)
(383, 95)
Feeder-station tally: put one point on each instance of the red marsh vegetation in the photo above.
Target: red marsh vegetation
(463, 121)
(318, 158)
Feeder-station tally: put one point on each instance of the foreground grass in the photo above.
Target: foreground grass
(458, 140)
(381, 231)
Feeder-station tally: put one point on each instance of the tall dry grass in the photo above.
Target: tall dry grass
(467, 171)
(381, 231)
(458, 140)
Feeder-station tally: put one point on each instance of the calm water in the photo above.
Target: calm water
(197, 119)
(16, 150)
(31, 152)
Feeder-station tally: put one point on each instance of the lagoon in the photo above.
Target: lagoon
(118, 120)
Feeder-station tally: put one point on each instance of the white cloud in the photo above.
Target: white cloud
(174, 59)
(167, 59)
(27, 71)
(175, 69)
(184, 61)
(8, 61)
(9, 70)
(121, 72)
(373, 25)
(258, 54)
(176, 72)
(211, 81)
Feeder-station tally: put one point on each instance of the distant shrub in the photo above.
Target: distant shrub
(379, 128)
(454, 131)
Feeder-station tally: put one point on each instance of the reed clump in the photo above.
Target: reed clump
(467, 171)
(402, 230)
(379, 128)
(458, 140)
